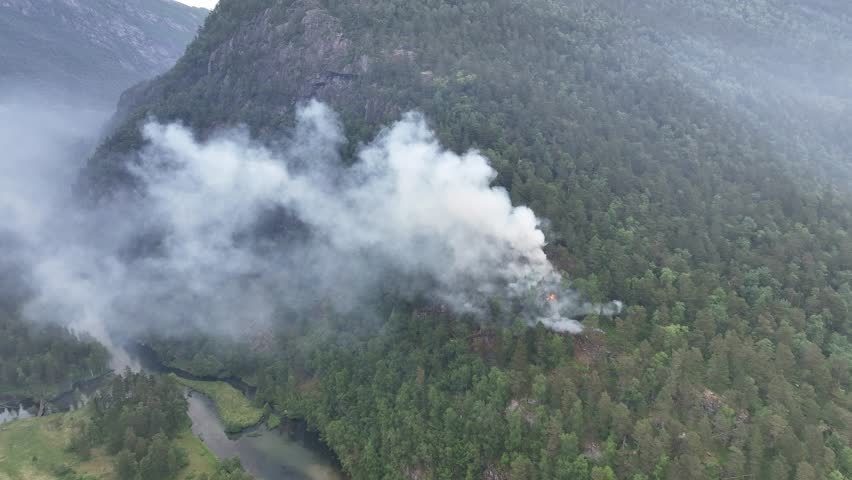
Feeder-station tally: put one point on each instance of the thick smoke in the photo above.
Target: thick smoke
(47, 258)
(229, 234)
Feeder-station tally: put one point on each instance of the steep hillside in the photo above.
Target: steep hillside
(733, 357)
(91, 49)
(782, 65)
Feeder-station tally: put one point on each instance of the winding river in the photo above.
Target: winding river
(288, 453)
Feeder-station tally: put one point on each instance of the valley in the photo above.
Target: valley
(267, 448)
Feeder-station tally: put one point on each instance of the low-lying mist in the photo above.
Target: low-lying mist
(226, 233)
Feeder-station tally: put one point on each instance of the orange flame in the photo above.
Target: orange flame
(552, 297)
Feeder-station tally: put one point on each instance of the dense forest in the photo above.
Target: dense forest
(733, 357)
(38, 360)
(137, 417)
(780, 64)
(44, 360)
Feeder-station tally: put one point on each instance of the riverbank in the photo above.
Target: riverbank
(151, 360)
(270, 447)
(283, 453)
(49, 393)
(235, 410)
(36, 448)
(280, 448)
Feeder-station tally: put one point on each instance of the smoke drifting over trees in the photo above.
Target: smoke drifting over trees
(225, 231)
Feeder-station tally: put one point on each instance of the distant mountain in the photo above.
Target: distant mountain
(63, 65)
(93, 49)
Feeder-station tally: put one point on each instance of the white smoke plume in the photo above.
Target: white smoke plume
(46, 252)
(229, 233)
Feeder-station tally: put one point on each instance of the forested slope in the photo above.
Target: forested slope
(732, 359)
(39, 361)
(42, 361)
(782, 65)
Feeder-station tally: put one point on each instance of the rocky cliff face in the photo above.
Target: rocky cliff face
(282, 55)
(286, 52)
(251, 72)
(92, 48)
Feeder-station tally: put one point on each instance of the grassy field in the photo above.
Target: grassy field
(201, 459)
(273, 422)
(235, 410)
(35, 449)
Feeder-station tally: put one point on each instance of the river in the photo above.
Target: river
(288, 453)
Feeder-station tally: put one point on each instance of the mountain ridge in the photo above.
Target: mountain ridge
(91, 48)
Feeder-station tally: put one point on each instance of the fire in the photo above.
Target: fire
(551, 297)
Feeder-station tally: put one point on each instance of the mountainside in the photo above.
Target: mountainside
(92, 49)
(694, 203)
(780, 64)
